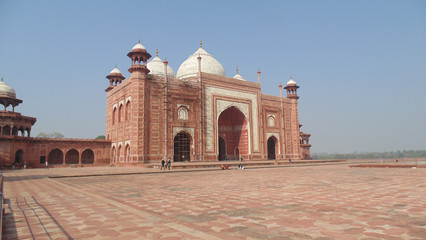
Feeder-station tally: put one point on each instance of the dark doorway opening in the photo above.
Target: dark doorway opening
(271, 148)
(182, 147)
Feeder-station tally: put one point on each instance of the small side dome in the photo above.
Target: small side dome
(238, 76)
(291, 82)
(138, 46)
(116, 71)
(209, 64)
(6, 90)
(156, 67)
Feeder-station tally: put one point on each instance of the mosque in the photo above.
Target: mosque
(197, 114)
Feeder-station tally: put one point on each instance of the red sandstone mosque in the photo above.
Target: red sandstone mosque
(197, 114)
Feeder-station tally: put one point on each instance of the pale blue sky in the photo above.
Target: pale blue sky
(360, 65)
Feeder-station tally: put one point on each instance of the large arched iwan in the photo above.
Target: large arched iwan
(233, 128)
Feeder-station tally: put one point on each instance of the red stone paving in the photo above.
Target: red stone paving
(310, 202)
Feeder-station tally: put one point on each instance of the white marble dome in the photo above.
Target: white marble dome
(291, 82)
(138, 46)
(6, 90)
(189, 68)
(239, 77)
(156, 67)
(115, 70)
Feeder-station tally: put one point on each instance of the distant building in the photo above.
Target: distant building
(197, 114)
(17, 146)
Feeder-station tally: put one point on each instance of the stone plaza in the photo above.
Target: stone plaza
(276, 202)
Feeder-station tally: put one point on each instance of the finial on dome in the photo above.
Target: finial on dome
(1, 78)
(237, 69)
(156, 52)
(139, 41)
(116, 66)
(201, 43)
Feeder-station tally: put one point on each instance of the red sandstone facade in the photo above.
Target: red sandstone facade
(203, 117)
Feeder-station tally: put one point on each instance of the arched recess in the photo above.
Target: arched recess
(21, 132)
(114, 112)
(114, 154)
(87, 157)
(127, 153)
(19, 156)
(233, 128)
(72, 157)
(183, 113)
(120, 113)
(28, 132)
(119, 153)
(56, 156)
(182, 147)
(128, 111)
(6, 130)
(15, 131)
(222, 149)
(272, 148)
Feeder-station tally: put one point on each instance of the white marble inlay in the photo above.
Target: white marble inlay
(210, 91)
(177, 130)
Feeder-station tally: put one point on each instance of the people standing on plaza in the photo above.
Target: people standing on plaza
(169, 164)
(47, 165)
(25, 165)
(162, 164)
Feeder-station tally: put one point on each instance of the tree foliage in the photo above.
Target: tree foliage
(50, 135)
(100, 137)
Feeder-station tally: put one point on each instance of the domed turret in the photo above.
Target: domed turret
(115, 77)
(291, 88)
(189, 68)
(139, 57)
(156, 67)
(6, 90)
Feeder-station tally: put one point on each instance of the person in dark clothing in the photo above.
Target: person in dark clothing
(162, 164)
(169, 164)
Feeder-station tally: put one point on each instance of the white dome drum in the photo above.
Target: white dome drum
(189, 68)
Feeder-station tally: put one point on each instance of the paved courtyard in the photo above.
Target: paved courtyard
(310, 202)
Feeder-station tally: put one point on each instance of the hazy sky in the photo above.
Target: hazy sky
(360, 65)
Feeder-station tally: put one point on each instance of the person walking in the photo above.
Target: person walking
(169, 164)
(47, 165)
(162, 164)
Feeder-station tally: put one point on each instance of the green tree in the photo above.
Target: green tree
(100, 137)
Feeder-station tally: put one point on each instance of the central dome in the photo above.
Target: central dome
(6, 90)
(189, 68)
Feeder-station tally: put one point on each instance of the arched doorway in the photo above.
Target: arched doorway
(19, 157)
(272, 144)
(71, 157)
(222, 149)
(182, 147)
(88, 157)
(233, 129)
(56, 156)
